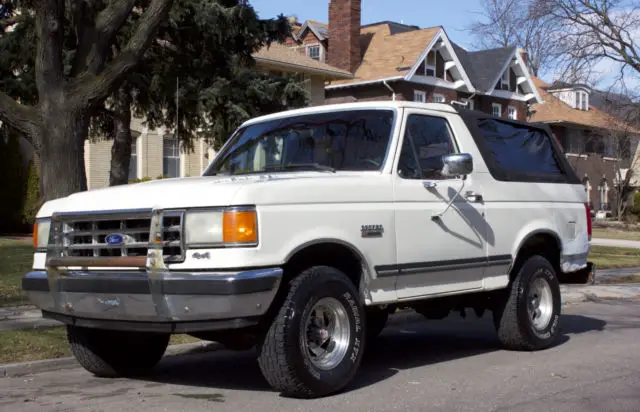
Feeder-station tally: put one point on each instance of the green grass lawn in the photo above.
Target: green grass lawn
(46, 343)
(15, 261)
(614, 257)
(615, 234)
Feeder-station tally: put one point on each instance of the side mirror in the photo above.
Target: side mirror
(459, 164)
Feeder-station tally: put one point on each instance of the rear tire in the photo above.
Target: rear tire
(315, 343)
(113, 353)
(527, 315)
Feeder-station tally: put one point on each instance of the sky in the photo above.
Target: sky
(453, 15)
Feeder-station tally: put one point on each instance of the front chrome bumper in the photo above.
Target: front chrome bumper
(170, 301)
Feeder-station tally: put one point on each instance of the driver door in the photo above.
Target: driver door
(446, 254)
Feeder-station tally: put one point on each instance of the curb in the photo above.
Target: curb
(26, 368)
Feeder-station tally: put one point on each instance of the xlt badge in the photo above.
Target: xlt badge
(371, 230)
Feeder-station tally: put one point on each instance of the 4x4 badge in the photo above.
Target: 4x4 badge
(371, 230)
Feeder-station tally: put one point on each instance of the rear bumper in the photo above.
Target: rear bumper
(166, 301)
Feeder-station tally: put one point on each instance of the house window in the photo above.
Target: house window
(419, 96)
(133, 162)
(430, 66)
(512, 112)
(314, 51)
(496, 109)
(171, 157)
(503, 83)
(437, 98)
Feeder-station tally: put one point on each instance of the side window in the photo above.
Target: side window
(426, 140)
(519, 150)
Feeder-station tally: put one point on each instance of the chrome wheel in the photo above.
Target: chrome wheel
(540, 303)
(326, 333)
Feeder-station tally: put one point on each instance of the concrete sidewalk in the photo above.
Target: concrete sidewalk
(632, 244)
(23, 318)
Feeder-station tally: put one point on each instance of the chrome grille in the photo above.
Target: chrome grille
(86, 235)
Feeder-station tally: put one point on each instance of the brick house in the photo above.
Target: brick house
(395, 61)
(588, 136)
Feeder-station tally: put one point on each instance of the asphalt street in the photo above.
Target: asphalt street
(450, 365)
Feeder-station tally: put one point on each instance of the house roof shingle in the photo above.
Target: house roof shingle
(554, 110)
(387, 55)
(484, 66)
(280, 55)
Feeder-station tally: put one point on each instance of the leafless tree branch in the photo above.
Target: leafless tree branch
(507, 23)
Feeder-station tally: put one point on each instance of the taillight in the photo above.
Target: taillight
(35, 235)
(589, 225)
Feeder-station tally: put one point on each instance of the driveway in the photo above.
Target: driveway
(447, 365)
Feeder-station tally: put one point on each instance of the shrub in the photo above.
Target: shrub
(140, 180)
(636, 203)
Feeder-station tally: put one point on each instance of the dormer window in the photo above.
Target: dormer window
(313, 51)
(430, 64)
(504, 82)
(582, 100)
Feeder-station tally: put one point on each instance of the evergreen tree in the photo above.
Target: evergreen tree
(77, 66)
(205, 48)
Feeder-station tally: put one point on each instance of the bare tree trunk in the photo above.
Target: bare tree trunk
(121, 149)
(62, 152)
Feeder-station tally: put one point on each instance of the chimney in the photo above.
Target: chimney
(344, 34)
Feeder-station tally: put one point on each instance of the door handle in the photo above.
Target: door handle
(430, 184)
(473, 196)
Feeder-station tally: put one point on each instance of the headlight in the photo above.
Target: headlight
(221, 227)
(41, 230)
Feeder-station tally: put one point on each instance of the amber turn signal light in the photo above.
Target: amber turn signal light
(239, 227)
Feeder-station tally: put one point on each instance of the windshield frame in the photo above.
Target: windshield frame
(224, 150)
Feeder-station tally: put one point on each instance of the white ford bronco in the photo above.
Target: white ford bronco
(307, 230)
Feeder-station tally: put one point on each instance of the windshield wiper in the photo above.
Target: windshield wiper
(298, 166)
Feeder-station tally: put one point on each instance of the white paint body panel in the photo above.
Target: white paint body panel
(301, 208)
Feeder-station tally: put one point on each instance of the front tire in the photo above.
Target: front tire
(315, 344)
(113, 353)
(527, 317)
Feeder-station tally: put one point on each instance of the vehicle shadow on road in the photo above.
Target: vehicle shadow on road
(406, 344)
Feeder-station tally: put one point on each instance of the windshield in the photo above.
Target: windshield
(355, 140)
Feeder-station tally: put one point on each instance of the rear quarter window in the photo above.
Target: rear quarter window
(517, 151)
(520, 149)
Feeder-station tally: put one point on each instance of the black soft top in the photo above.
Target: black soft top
(475, 120)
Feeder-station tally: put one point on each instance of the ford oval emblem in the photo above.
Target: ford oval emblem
(115, 239)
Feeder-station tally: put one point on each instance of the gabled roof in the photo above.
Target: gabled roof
(483, 66)
(285, 57)
(321, 30)
(385, 55)
(554, 110)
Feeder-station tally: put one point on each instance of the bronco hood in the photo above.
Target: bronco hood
(164, 193)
